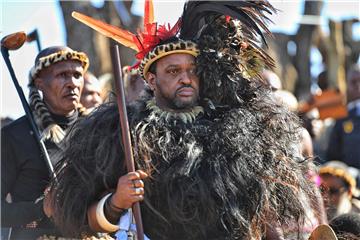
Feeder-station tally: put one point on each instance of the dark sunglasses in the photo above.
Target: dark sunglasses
(332, 191)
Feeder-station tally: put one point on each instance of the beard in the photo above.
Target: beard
(181, 104)
(176, 102)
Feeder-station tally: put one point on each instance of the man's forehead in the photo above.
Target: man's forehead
(68, 65)
(178, 58)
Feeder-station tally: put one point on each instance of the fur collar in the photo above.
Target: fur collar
(186, 117)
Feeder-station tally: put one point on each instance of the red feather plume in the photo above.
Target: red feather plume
(142, 42)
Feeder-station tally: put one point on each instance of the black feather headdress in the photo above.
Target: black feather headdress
(198, 14)
(230, 36)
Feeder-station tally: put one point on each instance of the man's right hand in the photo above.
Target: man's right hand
(129, 190)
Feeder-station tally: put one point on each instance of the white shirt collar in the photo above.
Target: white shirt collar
(354, 104)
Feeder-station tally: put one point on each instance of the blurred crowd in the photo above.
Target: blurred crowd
(331, 138)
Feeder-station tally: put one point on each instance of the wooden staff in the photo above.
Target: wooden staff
(125, 133)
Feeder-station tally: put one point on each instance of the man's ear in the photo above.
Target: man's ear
(151, 80)
(39, 83)
(350, 192)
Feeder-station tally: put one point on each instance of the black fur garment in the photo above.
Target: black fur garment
(223, 177)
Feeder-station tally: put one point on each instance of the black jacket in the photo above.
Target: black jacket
(24, 175)
(345, 139)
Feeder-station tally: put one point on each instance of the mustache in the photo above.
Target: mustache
(184, 86)
(72, 92)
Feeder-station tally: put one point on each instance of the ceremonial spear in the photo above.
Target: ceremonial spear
(126, 38)
(125, 132)
(13, 42)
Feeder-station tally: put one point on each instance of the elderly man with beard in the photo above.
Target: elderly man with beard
(58, 75)
(217, 157)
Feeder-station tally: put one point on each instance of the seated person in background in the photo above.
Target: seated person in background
(346, 226)
(90, 97)
(338, 187)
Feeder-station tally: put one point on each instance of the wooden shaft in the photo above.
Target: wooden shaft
(126, 139)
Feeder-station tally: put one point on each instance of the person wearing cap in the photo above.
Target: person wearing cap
(216, 156)
(338, 188)
(55, 83)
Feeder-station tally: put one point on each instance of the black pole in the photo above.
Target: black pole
(35, 131)
(37, 40)
(34, 35)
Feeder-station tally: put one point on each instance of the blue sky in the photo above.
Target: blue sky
(45, 15)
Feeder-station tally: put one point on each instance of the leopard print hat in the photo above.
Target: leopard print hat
(56, 54)
(163, 49)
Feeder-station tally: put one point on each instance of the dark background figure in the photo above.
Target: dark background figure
(322, 81)
(58, 74)
(345, 137)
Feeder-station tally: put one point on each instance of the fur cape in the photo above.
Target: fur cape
(226, 176)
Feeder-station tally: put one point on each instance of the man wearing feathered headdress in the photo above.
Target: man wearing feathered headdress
(217, 158)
